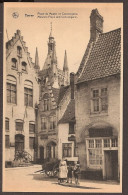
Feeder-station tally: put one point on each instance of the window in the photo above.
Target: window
(46, 102)
(99, 100)
(31, 127)
(52, 122)
(91, 143)
(50, 150)
(95, 156)
(114, 142)
(28, 93)
(11, 89)
(7, 141)
(14, 63)
(71, 128)
(24, 66)
(95, 147)
(6, 124)
(106, 143)
(94, 152)
(75, 149)
(19, 125)
(98, 143)
(43, 123)
(67, 149)
(19, 51)
(31, 142)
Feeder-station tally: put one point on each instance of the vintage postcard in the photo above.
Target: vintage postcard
(63, 86)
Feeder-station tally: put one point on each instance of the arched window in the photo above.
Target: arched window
(43, 123)
(11, 89)
(19, 51)
(28, 93)
(14, 63)
(24, 66)
(52, 120)
(46, 102)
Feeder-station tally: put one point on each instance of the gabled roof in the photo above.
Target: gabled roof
(62, 92)
(69, 115)
(55, 92)
(10, 44)
(104, 58)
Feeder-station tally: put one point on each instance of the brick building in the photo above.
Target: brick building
(51, 79)
(21, 96)
(98, 103)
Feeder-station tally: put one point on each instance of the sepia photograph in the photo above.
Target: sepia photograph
(63, 97)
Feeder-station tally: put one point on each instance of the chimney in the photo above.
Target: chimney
(96, 24)
(72, 76)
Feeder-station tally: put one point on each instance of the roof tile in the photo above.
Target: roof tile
(104, 59)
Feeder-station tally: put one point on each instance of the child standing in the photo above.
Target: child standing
(76, 173)
(69, 175)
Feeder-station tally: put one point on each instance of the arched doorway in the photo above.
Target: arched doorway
(102, 150)
(51, 146)
(19, 142)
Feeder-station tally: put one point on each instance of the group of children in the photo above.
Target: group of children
(67, 172)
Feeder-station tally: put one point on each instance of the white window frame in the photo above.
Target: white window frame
(99, 98)
(92, 147)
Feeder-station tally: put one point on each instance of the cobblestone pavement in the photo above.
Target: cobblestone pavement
(21, 179)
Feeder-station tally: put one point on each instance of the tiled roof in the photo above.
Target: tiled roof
(69, 115)
(62, 92)
(89, 46)
(105, 57)
(55, 92)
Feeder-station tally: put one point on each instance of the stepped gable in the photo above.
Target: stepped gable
(10, 44)
(63, 90)
(69, 115)
(105, 57)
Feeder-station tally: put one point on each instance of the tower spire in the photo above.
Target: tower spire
(36, 60)
(65, 66)
(51, 30)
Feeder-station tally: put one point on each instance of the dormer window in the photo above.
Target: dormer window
(19, 51)
(24, 66)
(14, 63)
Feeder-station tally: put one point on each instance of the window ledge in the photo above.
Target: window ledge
(9, 103)
(51, 130)
(19, 132)
(69, 134)
(31, 132)
(23, 71)
(16, 69)
(99, 114)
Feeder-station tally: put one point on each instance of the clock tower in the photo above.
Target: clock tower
(96, 24)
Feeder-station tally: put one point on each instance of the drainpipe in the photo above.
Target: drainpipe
(36, 134)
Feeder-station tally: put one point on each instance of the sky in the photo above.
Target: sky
(70, 34)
